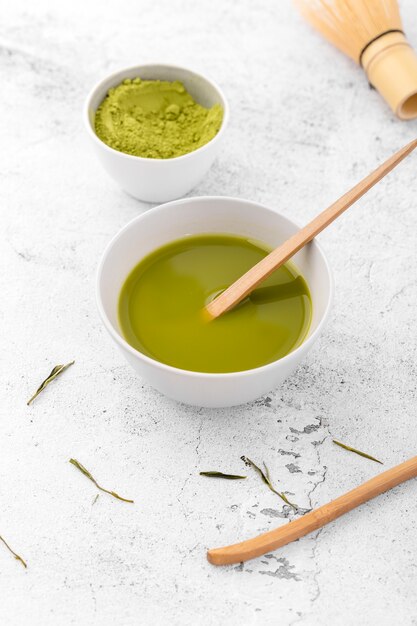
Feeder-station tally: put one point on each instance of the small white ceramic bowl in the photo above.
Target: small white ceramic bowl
(157, 180)
(208, 215)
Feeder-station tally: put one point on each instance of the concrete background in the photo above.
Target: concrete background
(304, 127)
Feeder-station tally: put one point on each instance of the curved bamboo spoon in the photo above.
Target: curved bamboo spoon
(259, 272)
(315, 519)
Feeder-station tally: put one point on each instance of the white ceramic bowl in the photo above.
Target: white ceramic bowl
(157, 180)
(208, 215)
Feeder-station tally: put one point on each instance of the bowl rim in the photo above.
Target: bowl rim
(99, 84)
(190, 373)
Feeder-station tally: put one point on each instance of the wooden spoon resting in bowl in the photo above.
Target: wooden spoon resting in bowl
(260, 272)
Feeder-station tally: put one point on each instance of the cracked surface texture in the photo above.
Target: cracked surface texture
(308, 132)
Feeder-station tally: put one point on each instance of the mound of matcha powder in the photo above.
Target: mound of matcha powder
(155, 119)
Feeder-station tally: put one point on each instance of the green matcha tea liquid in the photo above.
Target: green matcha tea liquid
(161, 307)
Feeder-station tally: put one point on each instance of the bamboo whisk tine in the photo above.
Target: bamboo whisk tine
(371, 33)
(351, 24)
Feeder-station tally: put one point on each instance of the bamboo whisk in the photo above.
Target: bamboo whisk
(371, 33)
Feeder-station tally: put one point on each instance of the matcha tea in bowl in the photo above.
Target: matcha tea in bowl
(156, 128)
(159, 272)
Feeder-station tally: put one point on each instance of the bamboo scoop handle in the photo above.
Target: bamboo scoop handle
(259, 272)
(315, 519)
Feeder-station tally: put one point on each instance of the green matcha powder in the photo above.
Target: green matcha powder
(155, 119)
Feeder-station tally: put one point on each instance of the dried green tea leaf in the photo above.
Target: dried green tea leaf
(221, 475)
(366, 456)
(16, 556)
(85, 471)
(95, 499)
(266, 479)
(57, 370)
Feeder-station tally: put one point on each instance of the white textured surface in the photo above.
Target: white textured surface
(304, 127)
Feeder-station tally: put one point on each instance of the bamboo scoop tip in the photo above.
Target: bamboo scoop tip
(412, 145)
(222, 556)
(206, 314)
(211, 557)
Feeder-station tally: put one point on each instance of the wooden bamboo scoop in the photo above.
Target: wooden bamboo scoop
(260, 272)
(315, 519)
